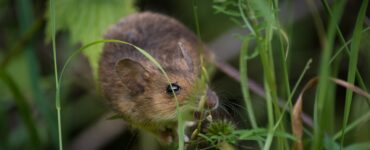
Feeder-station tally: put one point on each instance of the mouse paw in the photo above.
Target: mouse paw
(166, 136)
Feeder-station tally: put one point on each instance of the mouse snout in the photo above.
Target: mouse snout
(212, 100)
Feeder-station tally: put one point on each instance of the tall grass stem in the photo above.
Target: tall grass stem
(355, 48)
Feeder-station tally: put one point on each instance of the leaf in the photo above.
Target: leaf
(297, 115)
(330, 144)
(246, 134)
(87, 20)
(258, 133)
(285, 135)
(358, 146)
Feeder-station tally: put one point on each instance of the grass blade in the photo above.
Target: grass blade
(296, 115)
(244, 84)
(342, 40)
(25, 20)
(297, 112)
(321, 113)
(23, 108)
(351, 126)
(355, 47)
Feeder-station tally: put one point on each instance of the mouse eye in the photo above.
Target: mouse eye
(173, 86)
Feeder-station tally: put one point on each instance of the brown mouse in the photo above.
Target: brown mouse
(136, 89)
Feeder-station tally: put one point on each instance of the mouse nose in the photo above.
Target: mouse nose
(212, 100)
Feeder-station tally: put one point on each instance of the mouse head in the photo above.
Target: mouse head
(148, 99)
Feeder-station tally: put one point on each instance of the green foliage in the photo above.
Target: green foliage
(355, 48)
(244, 83)
(222, 131)
(260, 17)
(87, 20)
(26, 17)
(330, 144)
(24, 93)
(24, 109)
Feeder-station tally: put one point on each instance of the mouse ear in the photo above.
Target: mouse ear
(133, 75)
(184, 54)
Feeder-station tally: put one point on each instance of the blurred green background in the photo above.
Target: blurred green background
(27, 88)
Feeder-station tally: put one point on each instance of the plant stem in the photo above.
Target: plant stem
(244, 84)
(57, 85)
(323, 85)
(355, 47)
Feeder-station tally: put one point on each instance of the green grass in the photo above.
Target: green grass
(26, 17)
(24, 109)
(56, 74)
(263, 35)
(268, 39)
(324, 101)
(353, 59)
(244, 84)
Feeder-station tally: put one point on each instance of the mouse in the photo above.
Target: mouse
(135, 88)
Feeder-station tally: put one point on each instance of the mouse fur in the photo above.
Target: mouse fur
(134, 87)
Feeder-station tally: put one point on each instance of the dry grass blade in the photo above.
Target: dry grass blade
(351, 86)
(297, 109)
(297, 113)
